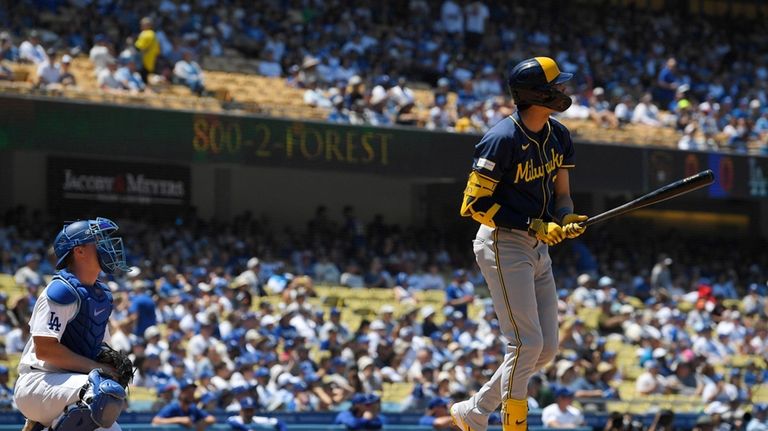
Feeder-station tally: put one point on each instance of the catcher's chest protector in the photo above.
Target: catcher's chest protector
(85, 333)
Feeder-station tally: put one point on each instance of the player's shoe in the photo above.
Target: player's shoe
(467, 418)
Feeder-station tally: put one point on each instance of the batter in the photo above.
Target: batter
(519, 192)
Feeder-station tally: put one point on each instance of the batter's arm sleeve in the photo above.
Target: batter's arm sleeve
(479, 204)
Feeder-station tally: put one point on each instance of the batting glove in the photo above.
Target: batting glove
(549, 233)
(571, 225)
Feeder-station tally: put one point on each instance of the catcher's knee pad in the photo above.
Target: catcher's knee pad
(105, 399)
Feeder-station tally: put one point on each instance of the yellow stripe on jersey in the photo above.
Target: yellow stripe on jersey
(549, 66)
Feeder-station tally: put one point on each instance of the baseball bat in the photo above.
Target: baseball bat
(673, 190)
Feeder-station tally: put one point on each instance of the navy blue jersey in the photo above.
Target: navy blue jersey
(525, 165)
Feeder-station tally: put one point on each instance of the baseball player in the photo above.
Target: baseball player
(61, 385)
(518, 190)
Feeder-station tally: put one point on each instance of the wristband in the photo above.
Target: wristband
(562, 212)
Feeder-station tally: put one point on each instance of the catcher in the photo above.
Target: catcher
(69, 378)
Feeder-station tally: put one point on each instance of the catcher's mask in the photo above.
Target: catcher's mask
(533, 82)
(99, 231)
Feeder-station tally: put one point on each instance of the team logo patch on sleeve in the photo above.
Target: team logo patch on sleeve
(486, 164)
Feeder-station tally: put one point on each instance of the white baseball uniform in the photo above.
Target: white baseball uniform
(42, 391)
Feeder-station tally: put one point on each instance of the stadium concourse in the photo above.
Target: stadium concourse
(345, 314)
(681, 76)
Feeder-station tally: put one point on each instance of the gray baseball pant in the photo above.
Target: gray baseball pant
(518, 271)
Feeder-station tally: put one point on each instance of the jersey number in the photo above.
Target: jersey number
(54, 322)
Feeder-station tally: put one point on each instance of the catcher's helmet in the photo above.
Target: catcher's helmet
(532, 82)
(99, 231)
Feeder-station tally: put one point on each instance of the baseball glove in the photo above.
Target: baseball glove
(122, 364)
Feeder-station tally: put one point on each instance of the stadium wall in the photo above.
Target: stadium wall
(224, 164)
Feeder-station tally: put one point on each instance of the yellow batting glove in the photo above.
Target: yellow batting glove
(571, 225)
(549, 233)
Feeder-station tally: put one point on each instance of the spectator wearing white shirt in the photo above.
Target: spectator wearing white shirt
(646, 112)
(107, 78)
(753, 302)
(624, 109)
(401, 94)
(29, 274)
(439, 116)
(129, 76)
(189, 72)
(562, 414)
(268, 66)
(16, 339)
(451, 17)
(31, 50)
(100, 54)
(759, 421)
(66, 78)
(314, 96)
(49, 72)
(487, 84)
(650, 382)
(718, 390)
(475, 14)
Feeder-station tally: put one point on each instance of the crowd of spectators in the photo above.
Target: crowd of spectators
(193, 314)
(702, 75)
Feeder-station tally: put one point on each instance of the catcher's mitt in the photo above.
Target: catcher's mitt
(120, 362)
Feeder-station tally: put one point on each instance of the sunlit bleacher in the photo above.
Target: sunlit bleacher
(233, 89)
(365, 303)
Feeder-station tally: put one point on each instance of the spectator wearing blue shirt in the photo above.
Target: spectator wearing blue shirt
(247, 421)
(359, 416)
(171, 284)
(184, 412)
(189, 73)
(437, 415)
(164, 395)
(338, 114)
(129, 77)
(374, 404)
(7, 50)
(142, 311)
(667, 83)
(460, 293)
(6, 392)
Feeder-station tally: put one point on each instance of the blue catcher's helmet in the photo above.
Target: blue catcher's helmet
(99, 231)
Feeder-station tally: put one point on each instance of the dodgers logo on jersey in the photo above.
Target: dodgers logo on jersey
(53, 322)
(529, 171)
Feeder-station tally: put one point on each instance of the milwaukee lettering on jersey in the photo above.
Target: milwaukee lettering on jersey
(529, 171)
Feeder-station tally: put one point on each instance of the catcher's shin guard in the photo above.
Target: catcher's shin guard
(101, 404)
(105, 398)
